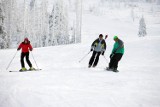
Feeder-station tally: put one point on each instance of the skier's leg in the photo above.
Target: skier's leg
(97, 59)
(117, 59)
(92, 58)
(27, 59)
(22, 60)
(112, 61)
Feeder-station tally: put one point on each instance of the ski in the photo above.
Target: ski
(27, 70)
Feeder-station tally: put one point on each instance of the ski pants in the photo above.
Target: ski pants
(114, 60)
(26, 54)
(94, 58)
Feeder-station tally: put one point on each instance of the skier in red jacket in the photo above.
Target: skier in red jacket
(26, 47)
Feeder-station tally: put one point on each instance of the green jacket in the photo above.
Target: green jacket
(118, 47)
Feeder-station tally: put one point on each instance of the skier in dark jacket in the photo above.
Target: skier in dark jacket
(98, 47)
(26, 47)
(116, 55)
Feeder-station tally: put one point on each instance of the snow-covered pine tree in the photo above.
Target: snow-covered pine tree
(3, 40)
(44, 24)
(14, 24)
(64, 25)
(7, 21)
(51, 27)
(72, 33)
(38, 27)
(32, 3)
(36, 36)
(9, 7)
(58, 22)
(78, 20)
(19, 23)
(142, 28)
(32, 18)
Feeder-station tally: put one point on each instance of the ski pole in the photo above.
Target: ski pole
(34, 60)
(105, 58)
(84, 56)
(11, 60)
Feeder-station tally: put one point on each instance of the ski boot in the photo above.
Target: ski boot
(115, 70)
(89, 66)
(109, 69)
(23, 69)
(32, 69)
(94, 66)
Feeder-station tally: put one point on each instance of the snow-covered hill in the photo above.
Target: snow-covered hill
(64, 82)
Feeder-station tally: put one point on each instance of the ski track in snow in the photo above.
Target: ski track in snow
(64, 82)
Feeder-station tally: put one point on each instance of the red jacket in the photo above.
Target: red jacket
(25, 47)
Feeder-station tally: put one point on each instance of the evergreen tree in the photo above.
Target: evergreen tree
(31, 19)
(3, 39)
(44, 24)
(51, 30)
(78, 20)
(142, 28)
(58, 23)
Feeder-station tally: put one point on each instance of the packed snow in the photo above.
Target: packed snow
(64, 82)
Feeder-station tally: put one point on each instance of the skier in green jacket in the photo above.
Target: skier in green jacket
(116, 55)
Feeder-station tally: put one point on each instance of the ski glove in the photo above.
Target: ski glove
(111, 55)
(102, 52)
(18, 49)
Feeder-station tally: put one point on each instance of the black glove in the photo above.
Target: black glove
(18, 49)
(91, 49)
(102, 53)
(111, 55)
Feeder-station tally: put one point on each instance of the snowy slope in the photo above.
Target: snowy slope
(64, 82)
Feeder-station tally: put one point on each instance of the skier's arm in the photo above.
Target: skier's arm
(114, 49)
(93, 44)
(19, 47)
(105, 46)
(30, 47)
(120, 45)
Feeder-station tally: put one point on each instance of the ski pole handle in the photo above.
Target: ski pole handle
(106, 36)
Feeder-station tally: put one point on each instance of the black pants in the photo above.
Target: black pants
(26, 54)
(114, 60)
(94, 58)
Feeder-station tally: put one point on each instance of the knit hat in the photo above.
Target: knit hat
(115, 37)
(26, 39)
